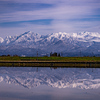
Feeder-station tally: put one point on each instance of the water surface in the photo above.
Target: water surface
(48, 83)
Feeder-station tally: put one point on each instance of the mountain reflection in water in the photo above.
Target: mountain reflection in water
(81, 78)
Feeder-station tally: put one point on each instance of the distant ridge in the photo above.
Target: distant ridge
(70, 44)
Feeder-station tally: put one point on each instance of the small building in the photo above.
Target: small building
(54, 54)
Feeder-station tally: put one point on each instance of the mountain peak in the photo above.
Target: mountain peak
(28, 37)
(29, 33)
(59, 35)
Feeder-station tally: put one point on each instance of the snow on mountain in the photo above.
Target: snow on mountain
(60, 36)
(87, 36)
(9, 39)
(60, 78)
(23, 38)
(82, 36)
(54, 42)
(1, 40)
(28, 37)
(35, 37)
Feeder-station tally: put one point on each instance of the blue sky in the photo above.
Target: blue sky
(48, 16)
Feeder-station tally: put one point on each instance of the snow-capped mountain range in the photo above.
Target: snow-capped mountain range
(59, 78)
(69, 44)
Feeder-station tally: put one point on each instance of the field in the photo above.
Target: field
(59, 59)
(50, 61)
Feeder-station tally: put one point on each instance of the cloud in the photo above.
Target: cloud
(50, 15)
(55, 26)
(60, 12)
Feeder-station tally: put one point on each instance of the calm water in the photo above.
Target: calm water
(49, 84)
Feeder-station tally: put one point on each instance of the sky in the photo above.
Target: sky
(48, 16)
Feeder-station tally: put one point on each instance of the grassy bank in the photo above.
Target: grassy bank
(52, 59)
(89, 62)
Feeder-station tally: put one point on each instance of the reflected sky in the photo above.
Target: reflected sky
(42, 83)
